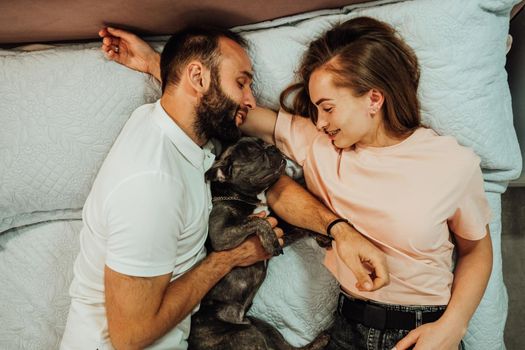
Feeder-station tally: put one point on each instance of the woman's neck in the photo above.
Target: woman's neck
(379, 137)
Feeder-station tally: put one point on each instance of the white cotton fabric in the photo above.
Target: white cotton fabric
(146, 216)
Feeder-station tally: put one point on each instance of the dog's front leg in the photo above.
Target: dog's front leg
(227, 231)
(267, 236)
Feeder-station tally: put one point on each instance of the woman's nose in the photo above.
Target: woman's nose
(322, 123)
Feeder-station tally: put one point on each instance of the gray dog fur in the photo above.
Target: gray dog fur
(244, 170)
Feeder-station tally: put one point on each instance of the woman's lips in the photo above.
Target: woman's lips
(332, 134)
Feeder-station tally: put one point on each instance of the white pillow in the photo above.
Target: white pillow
(461, 46)
(61, 110)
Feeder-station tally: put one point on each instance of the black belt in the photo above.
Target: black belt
(378, 317)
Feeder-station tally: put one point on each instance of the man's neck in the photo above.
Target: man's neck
(183, 114)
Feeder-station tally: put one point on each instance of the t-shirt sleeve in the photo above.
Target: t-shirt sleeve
(473, 211)
(144, 218)
(294, 136)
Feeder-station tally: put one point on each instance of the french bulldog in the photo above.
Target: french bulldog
(238, 181)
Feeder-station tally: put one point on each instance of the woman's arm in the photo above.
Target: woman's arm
(260, 123)
(471, 276)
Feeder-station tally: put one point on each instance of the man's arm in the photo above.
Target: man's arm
(141, 310)
(297, 206)
(131, 51)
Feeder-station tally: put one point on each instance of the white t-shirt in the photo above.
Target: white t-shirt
(146, 215)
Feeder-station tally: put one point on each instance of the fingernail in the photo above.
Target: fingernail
(368, 286)
(394, 348)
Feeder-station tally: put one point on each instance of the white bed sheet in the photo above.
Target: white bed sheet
(36, 261)
(36, 269)
(298, 296)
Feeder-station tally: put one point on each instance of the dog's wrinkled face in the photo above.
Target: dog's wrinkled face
(250, 166)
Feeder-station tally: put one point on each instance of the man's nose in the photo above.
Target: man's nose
(249, 99)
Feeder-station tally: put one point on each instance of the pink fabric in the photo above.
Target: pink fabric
(404, 198)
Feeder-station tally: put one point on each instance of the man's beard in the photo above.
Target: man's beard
(216, 115)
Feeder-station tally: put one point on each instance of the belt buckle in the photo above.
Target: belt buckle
(374, 317)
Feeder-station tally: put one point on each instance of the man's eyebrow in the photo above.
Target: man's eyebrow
(248, 74)
(321, 100)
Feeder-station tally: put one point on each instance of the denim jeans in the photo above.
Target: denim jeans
(350, 335)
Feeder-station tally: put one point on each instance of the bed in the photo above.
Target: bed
(62, 105)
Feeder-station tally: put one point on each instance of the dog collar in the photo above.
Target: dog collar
(234, 198)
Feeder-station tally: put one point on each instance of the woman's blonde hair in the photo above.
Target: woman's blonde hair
(363, 54)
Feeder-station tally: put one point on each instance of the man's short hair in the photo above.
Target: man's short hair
(200, 43)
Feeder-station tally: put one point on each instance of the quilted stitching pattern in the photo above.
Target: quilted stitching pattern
(463, 88)
(36, 267)
(463, 92)
(61, 111)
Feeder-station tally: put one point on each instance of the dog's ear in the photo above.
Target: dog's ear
(220, 171)
(220, 176)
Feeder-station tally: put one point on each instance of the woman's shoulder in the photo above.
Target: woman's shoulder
(448, 147)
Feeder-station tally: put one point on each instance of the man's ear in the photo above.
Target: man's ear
(198, 77)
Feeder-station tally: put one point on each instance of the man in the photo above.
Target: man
(141, 270)
(146, 218)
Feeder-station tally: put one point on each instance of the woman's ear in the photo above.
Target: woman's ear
(376, 100)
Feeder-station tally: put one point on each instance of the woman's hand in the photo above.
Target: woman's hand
(129, 50)
(367, 262)
(437, 335)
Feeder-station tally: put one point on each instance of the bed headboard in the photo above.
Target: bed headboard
(28, 21)
(25, 21)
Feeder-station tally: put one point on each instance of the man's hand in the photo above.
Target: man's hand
(436, 335)
(129, 50)
(366, 261)
(298, 207)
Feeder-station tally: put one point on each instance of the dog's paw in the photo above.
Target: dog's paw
(269, 240)
(271, 245)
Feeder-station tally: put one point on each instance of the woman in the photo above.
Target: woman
(366, 156)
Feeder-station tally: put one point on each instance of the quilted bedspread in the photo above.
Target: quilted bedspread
(46, 152)
(463, 92)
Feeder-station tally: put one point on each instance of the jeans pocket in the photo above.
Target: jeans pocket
(391, 337)
(347, 335)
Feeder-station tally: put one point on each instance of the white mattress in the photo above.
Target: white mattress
(298, 296)
(36, 268)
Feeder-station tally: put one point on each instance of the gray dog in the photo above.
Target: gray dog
(238, 178)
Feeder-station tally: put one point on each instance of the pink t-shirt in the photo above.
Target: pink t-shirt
(404, 198)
